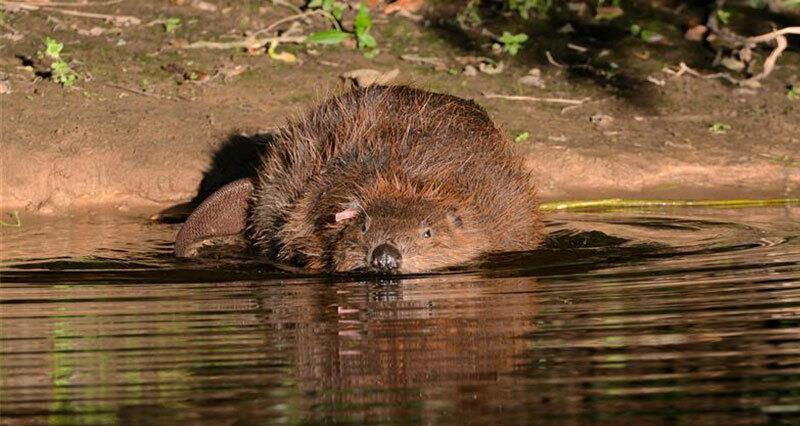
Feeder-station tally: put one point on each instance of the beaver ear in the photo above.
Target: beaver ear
(220, 218)
(455, 218)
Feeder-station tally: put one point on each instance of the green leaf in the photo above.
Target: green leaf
(512, 42)
(328, 37)
(793, 93)
(314, 4)
(63, 74)
(337, 12)
(719, 128)
(52, 48)
(172, 24)
(522, 137)
(367, 41)
(724, 16)
(369, 54)
(363, 22)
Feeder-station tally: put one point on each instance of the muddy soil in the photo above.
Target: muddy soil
(152, 123)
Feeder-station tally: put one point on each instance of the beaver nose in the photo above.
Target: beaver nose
(385, 258)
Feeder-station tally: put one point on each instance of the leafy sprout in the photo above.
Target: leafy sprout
(361, 27)
(171, 24)
(793, 93)
(724, 16)
(60, 71)
(512, 42)
(719, 128)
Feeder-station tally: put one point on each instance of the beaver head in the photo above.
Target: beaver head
(395, 227)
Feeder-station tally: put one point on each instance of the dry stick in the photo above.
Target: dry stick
(248, 43)
(685, 69)
(774, 34)
(76, 4)
(551, 60)
(623, 203)
(303, 15)
(569, 108)
(769, 63)
(534, 99)
(121, 19)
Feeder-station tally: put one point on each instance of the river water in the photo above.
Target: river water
(681, 316)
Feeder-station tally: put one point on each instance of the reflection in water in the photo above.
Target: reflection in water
(640, 318)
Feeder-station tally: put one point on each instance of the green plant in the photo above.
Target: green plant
(523, 7)
(171, 24)
(644, 34)
(512, 42)
(522, 137)
(793, 93)
(361, 27)
(335, 8)
(724, 16)
(60, 71)
(719, 128)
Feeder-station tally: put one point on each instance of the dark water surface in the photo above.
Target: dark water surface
(656, 317)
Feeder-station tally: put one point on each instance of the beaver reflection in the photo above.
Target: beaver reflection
(351, 342)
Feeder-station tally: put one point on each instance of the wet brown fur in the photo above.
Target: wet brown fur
(407, 161)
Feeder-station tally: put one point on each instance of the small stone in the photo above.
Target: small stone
(470, 71)
(732, 64)
(532, 80)
(566, 29)
(366, 77)
(601, 121)
(696, 33)
(491, 69)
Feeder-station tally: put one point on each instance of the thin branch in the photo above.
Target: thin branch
(616, 203)
(773, 35)
(248, 43)
(304, 16)
(769, 63)
(551, 60)
(535, 99)
(119, 19)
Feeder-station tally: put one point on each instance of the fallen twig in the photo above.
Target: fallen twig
(75, 4)
(117, 19)
(302, 15)
(551, 60)
(248, 43)
(685, 69)
(623, 203)
(780, 38)
(569, 108)
(535, 99)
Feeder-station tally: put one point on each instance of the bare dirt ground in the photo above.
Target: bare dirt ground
(150, 119)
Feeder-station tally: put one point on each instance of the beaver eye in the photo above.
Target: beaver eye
(365, 226)
(427, 233)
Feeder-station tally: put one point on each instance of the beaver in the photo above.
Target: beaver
(386, 178)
